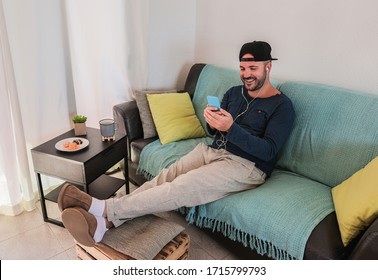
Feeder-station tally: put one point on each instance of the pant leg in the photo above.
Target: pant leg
(221, 175)
(192, 160)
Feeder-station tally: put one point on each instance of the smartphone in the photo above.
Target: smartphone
(213, 101)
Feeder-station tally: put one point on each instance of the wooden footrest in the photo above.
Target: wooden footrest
(176, 249)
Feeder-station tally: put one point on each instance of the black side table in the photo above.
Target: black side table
(83, 168)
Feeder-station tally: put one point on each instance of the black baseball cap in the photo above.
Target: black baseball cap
(259, 49)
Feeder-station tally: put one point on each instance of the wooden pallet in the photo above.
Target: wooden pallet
(176, 249)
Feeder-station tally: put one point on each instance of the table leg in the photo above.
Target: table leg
(43, 203)
(42, 198)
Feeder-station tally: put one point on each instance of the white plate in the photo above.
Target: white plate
(60, 145)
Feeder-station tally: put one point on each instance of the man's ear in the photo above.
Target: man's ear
(268, 66)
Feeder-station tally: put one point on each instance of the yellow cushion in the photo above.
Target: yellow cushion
(174, 117)
(356, 201)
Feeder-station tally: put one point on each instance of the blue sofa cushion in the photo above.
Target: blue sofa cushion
(335, 132)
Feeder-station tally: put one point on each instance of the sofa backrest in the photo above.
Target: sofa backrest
(335, 132)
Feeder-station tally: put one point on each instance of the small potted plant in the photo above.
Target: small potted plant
(79, 125)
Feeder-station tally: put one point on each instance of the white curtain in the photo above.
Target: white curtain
(104, 37)
(61, 58)
(15, 185)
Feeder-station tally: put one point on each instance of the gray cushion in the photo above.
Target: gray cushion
(149, 129)
(142, 238)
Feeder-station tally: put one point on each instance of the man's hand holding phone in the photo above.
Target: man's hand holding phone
(216, 117)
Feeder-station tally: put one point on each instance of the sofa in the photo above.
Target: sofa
(320, 202)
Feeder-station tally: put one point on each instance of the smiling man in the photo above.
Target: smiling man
(256, 118)
(249, 130)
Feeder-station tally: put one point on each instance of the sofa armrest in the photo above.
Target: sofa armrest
(127, 117)
(367, 246)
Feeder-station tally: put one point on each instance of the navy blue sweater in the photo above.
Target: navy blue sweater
(259, 133)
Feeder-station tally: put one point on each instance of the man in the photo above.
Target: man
(252, 125)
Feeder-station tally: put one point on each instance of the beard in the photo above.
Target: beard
(252, 83)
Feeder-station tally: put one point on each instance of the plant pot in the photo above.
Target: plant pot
(80, 129)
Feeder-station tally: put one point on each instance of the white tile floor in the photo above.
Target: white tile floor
(28, 237)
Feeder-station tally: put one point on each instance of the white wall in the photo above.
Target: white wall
(333, 42)
(171, 43)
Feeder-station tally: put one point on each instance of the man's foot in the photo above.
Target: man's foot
(84, 227)
(71, 196)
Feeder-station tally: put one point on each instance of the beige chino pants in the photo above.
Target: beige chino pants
(201, 176)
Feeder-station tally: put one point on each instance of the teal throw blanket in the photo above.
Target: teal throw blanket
(275, 219)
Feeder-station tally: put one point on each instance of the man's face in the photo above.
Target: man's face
(253, 73)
